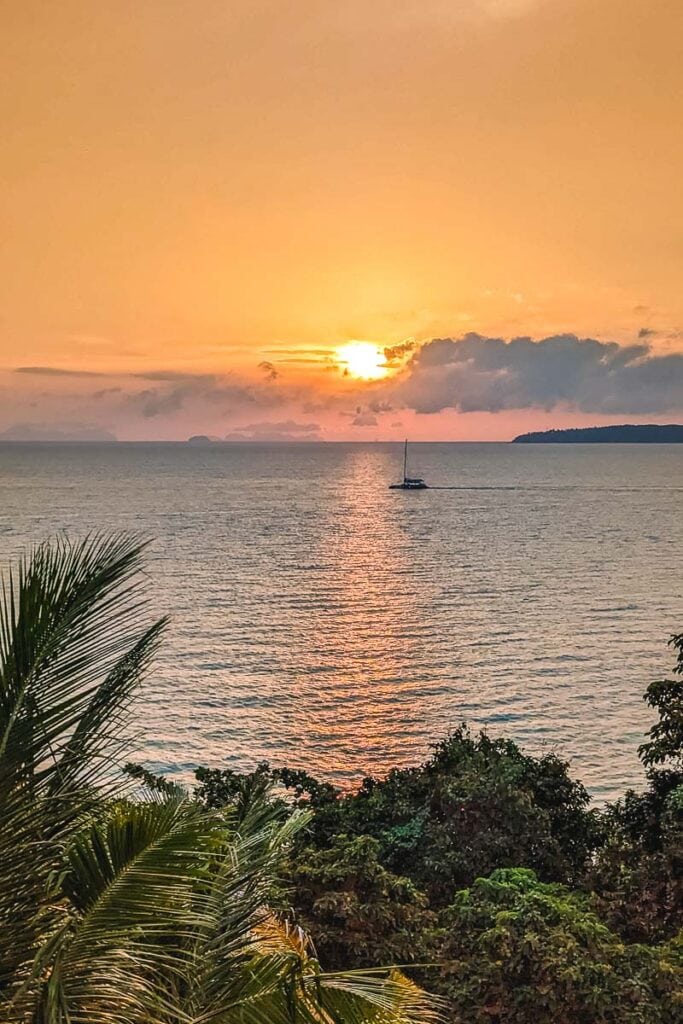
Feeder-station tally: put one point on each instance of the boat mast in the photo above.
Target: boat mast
(405, 460)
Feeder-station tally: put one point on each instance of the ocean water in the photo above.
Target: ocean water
(320, 620)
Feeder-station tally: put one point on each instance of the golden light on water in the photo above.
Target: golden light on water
(362, 359)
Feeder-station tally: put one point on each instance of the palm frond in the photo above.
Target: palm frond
(71, 653)
(134, 885)
(69, 620)
(282, 982)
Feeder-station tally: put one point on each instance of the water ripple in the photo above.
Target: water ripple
(323, 621)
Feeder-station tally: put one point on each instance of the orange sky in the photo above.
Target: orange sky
(191, 190)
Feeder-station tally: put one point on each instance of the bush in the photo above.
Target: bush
(666, 735)
(637, 876)
(475, 805)
(520, 951)
(361, 914)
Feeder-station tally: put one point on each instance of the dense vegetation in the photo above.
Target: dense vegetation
(488, 871)
(483, 873)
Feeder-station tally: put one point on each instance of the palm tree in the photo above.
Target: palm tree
(144, 908)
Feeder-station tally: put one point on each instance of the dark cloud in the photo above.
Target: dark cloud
(269, 370)
(56, 432)
(287, 430)
(664, 335)
(394, 355)
(476, 373)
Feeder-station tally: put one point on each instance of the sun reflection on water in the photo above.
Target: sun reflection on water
(321, 621)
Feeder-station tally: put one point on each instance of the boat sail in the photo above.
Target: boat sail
(409, 483)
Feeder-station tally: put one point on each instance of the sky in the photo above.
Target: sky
(359, 219)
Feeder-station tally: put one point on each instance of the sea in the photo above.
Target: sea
(320, 620)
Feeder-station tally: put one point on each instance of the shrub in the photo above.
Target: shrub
(475, 805)
(520, 951)
(361, 914)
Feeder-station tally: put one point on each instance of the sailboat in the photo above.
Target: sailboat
(410, 483)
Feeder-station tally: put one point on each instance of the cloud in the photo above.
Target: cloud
(177, 391)
(366, 415)
(269, 370)
(103, 392)
(662, 335)
(480, 374)
(170, 375)
(56, 432)
(364, 419)
(160, 402)
(287, 430)
(169, 391)
(57, 371)
(150, 403)
(394, 355)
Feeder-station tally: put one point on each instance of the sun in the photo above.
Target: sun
(362, 359)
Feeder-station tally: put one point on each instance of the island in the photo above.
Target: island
(625, 433)
(199, 439)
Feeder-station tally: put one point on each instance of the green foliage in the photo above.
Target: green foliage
(305, 787)
(71, 652)
(361, 914)
(375, 870)
(637, 875)
(666, 735)
(154, 911)
(151, 782)
(520, 951)
(476, 804)
(226, 788)
(639, 895)
(219, 787)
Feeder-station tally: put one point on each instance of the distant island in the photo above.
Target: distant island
(625, 433)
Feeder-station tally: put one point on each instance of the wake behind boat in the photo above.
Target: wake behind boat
(410, 483)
